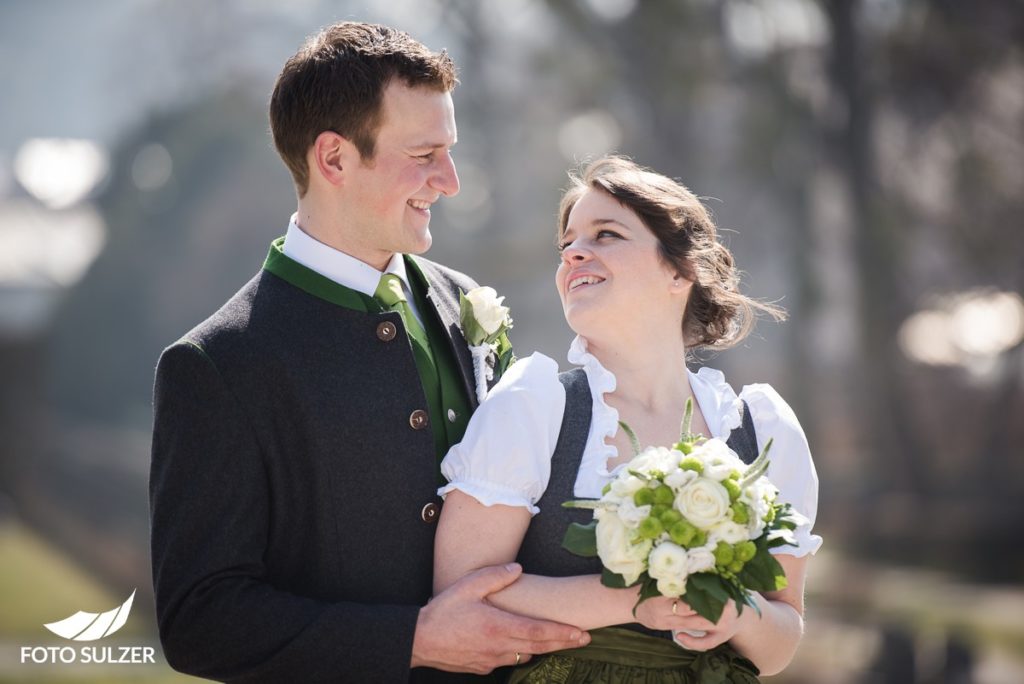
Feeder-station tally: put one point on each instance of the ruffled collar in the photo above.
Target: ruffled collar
(716, 398)
(604, 421)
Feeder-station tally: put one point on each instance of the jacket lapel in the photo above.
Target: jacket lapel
(443, 295)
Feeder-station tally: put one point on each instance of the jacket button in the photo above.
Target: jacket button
(429, 512)
(452, 415)
(419, 419)
(386, 331)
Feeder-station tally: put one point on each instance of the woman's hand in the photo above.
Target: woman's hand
(700, 634)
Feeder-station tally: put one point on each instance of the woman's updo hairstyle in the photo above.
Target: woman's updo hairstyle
(717, 314)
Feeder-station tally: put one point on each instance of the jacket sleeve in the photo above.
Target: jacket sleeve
(219, 617)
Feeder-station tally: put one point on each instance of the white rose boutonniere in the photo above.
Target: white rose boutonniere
(484, 320)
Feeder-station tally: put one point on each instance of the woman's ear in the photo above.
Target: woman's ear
(330, 155)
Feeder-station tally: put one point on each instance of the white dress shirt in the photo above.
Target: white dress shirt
(342, 268)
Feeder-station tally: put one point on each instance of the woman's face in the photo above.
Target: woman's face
(611, 273)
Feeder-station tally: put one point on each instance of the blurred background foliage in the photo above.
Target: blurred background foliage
(864, 159)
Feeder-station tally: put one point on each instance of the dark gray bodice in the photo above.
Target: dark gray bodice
(541, 552)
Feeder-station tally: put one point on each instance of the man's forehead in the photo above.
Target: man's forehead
(423, 117)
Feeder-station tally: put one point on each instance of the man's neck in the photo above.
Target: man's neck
(315, 222)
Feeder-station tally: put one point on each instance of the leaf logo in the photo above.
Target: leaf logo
(84, 626)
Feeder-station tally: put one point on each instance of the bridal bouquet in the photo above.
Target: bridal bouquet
(690, 521)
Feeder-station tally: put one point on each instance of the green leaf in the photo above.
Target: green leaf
(648, 590)
(581, 539)
(761, 573)
(705, 595)
(590, 504)
(684, 429)
(633, 440)
(471, 329)
(612, 579)
(757, 468)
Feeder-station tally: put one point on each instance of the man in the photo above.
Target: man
(298, 430)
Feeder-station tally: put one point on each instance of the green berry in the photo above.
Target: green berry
(683, 533)
(724, 554)
(663, 494)
(670, 517)
(692, 463)
(735, 474)
(746, 550)
(740, 513)
(651, 528)
(643, 497)
(735, 566)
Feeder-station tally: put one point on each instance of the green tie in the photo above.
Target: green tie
(389, 293)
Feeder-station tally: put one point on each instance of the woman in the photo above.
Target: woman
(643, 280)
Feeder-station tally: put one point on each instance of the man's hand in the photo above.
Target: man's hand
(459, 631)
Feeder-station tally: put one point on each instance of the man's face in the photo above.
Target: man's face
(389, 196)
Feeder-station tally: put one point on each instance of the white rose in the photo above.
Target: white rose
(668, 561)
(617, 552)
(700, 559)
(703, 502)
(759, 497)
(719, 460)
(729, 532)
(487, 308)
(679, 478)
(632, 515)
(626, 485)
(672, 588)
(656, 459)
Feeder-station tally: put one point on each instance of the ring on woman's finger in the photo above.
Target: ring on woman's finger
(674, 604)
(519, 657)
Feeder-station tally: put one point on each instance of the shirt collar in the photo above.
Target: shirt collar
(336, 265)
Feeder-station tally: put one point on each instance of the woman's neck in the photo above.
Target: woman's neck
(650, 373)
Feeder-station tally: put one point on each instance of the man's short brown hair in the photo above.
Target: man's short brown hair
(336, 82)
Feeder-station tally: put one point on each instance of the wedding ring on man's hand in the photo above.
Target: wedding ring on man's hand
(519, 657)
(674, 603)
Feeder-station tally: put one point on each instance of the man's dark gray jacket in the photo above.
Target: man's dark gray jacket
(288, 487)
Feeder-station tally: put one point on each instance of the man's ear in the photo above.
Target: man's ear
(331, 155)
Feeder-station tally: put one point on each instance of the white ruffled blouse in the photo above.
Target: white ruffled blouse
(505, 455)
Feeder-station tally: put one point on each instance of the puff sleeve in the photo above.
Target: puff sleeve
(505, 455)
(791, 469)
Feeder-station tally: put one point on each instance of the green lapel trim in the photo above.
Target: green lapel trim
(450, 413)
(308, 280)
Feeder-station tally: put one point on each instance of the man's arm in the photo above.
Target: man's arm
(460, 630)
(471, 535)
(209, 496)
(218, 615)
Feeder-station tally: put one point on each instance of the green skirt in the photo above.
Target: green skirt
(622, 656)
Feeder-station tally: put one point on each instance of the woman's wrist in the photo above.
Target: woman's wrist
(627, 599)
(750, 617)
